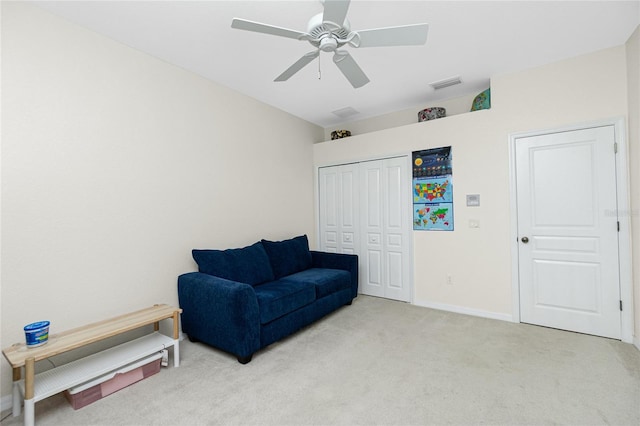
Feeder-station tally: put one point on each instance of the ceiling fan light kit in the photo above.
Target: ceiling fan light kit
(329, 31)
(328, 44)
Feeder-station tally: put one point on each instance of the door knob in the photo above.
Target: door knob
(525, 240)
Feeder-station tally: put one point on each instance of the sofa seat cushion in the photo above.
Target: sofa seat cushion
(278, 298)
(248, 265)
(325, 281)
(289, 256)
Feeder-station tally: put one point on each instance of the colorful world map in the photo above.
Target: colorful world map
(433, 216)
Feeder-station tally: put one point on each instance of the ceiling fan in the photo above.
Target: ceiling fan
(330, 30)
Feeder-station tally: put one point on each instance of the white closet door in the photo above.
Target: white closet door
(339, 209)
(385, 224)
(396, 230)
(364, 210)
(372, 257)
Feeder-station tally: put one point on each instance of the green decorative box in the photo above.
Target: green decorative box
(482, 101)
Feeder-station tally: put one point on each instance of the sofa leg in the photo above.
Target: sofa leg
(244, 359)
(192, 339)
(349, 302)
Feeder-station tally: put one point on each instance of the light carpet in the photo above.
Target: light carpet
(380, 362)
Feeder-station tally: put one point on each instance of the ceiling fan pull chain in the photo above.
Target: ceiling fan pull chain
(319, 70)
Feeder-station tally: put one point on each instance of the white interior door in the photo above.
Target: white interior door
(568, 231)
(339, 202)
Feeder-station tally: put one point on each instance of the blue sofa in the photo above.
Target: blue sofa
(242, 300)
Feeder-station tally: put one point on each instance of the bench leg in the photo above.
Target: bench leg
(17, 403)
(29, 412)
(176, 353)
(16, 397)
(29, 397)
(176, 339)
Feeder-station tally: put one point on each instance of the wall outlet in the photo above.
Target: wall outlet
(449, 280)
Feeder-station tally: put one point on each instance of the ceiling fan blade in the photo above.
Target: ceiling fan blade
(407, 35)
(350, 69)
(243, 24)
(335, 11)
(300, 63)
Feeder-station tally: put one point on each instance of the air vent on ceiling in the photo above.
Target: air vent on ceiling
(345, 112)
(447, 82)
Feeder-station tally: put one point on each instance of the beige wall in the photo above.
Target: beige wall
(115, 165)
(577, 90)
(633, 81)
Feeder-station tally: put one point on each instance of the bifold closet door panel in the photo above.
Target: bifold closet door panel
(372, 228)
(396, 229)
(338, 193)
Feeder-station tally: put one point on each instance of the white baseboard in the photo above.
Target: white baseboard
(464, 310)
(6, 403)
(485, 314)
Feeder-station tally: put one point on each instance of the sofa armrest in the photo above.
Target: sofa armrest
(346, 262)
(219, 312)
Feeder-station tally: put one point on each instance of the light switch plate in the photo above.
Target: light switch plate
(473, 200)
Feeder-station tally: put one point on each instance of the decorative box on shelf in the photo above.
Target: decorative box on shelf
(431, 114)
(339, 134)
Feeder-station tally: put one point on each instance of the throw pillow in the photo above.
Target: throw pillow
(249, 265)
(289, 256)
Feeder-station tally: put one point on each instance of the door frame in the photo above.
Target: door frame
(624, 235)
(316, 185)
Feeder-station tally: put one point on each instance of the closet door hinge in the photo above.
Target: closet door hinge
(621, 305)
(615, 147)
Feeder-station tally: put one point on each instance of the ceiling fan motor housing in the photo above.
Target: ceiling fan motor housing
(325, 35)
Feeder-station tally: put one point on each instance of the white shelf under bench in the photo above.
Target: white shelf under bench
(36, 387)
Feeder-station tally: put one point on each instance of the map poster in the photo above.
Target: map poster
(432, 189)
(433, 216)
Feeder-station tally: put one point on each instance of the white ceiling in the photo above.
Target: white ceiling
(471, 39)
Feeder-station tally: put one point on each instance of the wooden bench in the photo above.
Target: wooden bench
(36, 387)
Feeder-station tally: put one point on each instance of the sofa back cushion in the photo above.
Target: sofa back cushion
(249, 265)
(289, 256)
